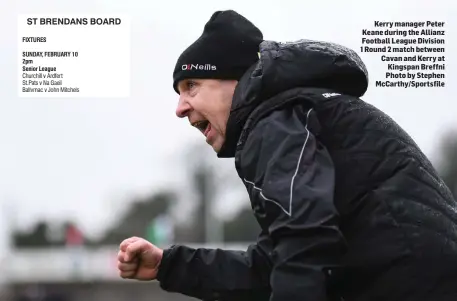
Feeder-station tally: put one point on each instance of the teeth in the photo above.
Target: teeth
(201, 125)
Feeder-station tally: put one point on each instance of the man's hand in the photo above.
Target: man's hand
(138, 259)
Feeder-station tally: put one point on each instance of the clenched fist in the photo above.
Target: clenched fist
(138, 259)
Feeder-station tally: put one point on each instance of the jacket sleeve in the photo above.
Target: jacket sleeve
(292, 185)
(214, 274)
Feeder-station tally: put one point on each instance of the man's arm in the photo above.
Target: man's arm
(292, 180)
(214, 274)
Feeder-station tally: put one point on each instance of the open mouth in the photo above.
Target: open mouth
(203, 125)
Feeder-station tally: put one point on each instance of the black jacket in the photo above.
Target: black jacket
(350, 208)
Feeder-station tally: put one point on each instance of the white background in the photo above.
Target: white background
(102, 68)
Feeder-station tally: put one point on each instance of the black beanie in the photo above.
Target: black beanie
(228, 46)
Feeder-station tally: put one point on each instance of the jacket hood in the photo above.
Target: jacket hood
(286, 66)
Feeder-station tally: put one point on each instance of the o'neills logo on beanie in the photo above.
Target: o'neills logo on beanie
(207, 67)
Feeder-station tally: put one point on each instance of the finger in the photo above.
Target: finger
(127, 275)
(121, 258)
(134, 249)
(127, 267)
(123, 246)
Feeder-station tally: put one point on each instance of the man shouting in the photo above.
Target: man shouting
(349, 207)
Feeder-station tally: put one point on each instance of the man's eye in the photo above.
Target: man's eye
(190, 84)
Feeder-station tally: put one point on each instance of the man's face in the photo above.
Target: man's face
(206, 103)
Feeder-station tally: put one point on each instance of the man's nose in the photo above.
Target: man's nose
(183, 108)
